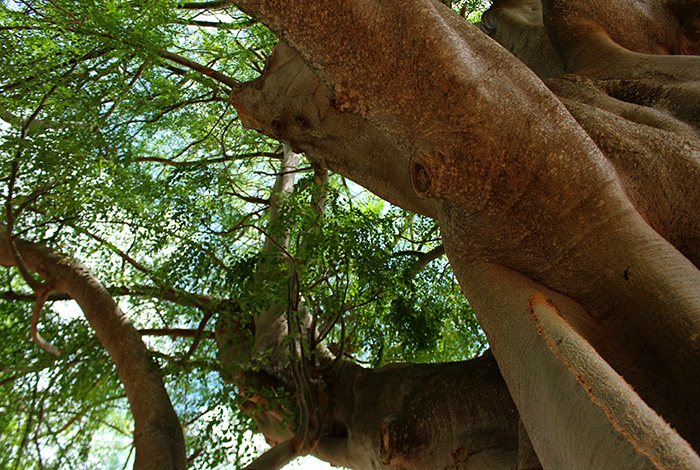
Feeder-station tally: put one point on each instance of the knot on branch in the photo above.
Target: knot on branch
(246, 118)
(425, 176)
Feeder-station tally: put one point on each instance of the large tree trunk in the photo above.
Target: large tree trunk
(528, 202)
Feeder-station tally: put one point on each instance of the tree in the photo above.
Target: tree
(562, 174)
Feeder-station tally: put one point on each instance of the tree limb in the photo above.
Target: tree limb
(157, 432)
(210, 161)
(629, 415)
(36, 316)
(275, 458)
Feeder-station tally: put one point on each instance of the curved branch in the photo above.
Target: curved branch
(36, 316)
(157, 432)
(275, 458)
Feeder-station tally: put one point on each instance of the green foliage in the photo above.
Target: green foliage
(356, 267)
(138, 167)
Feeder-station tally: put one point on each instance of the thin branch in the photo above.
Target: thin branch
(423, 258)
(41, 289)
(239, 226)
(174, 295)
(36, 316)
(176, 332)
(211, 131)
(251, 199)
(284, 250)
(211, 24)
(199, 100)
(72, 62)
(218, 76)
(65, 11)
(138, 291)
(214, 5)
(9, 379)
(210, 161)
(34, 195)
(297, 170)
(198, 334)
(116, 103)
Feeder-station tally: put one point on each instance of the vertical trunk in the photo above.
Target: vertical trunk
(271, 324)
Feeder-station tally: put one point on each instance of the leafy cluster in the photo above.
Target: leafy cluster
(358, 268)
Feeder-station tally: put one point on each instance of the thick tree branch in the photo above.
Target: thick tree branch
(275, 458)
(629, 415)
(483, 143)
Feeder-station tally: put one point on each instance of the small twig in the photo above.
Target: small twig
(116, 103)
(198, 334)
(240, 225)
(37, 111)
(271, 238)
(64, 11)
(251, 199)
(34, 195)
(36, 316)
(176, 332)
(210, 24)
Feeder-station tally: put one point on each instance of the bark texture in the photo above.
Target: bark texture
(583, 187)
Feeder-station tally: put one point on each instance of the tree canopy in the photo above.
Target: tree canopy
(120, 149)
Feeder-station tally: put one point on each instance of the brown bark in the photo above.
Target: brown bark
(408, 416)
(519, 185)
(456, 415)
(291, 104)
(158, 436)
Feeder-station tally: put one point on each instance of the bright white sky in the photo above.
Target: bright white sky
(309, 463)
(306, 463)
